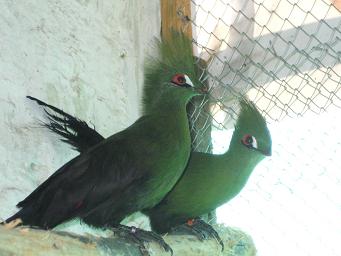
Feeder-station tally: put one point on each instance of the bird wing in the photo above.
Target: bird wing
(72, 130)
(96, 174)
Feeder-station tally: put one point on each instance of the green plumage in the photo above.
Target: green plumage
(174, 57)
(211, 180)
(131, 170)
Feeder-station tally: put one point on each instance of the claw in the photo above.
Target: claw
(201, 230)
(139, 236)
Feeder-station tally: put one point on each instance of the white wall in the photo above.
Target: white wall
(83, 56)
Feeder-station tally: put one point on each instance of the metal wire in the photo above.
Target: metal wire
(285, 55)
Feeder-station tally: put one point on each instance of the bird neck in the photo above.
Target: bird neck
(242, 156)
(166, 105)
(240, 161)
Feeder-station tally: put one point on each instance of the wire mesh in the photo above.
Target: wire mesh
(285, 55)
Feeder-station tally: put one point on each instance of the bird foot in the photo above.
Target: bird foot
(200, 229)
(139, 236)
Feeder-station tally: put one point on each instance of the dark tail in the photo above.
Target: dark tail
(14, 217)
(24, 214)
(73, 130)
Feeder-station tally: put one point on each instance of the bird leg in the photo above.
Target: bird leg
(200, 229)
(139, 236)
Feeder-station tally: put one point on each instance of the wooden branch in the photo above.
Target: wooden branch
(175, 15)
(26, 242)
(337, 4)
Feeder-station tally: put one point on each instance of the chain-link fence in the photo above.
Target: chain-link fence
(285, 55)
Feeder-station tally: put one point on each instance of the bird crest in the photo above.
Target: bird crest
(175, 56)
(249, 114)
(251, 128)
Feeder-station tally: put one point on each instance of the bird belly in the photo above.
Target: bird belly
(163, 181)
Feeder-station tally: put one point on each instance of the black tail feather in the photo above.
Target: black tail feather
(25, 215)
(73, 131)
(14, 217)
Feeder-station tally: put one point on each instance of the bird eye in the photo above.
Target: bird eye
(249, 141)
(179, 79)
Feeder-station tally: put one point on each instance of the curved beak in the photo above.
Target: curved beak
(267, 152)
(201, 90)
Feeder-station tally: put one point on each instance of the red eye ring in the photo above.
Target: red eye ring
(179, 79)
(247, 140)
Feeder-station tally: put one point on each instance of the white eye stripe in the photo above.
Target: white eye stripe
(188, 81)
(254, 142)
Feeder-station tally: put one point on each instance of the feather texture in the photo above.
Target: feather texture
(129, 171)
(72, 130)
(175, 55)
(211, 180)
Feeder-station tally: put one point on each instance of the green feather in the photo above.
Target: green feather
(251, 121)
(175, 56)
(131, 170)
(211, 180)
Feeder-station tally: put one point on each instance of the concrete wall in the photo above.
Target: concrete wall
(83, 56)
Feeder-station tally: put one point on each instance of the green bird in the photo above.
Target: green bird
(208, 181)
(131, 170)
(211, 180)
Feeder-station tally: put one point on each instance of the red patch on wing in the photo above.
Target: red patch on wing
(179, 79)
(190, 222)
(79, 204)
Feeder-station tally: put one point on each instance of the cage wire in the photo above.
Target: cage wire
(285, 56)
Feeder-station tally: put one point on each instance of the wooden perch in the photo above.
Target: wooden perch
(175, 16)
(33, 242)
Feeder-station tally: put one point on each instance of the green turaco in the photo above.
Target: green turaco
(131, 170)
(211, 180)
(208, 181)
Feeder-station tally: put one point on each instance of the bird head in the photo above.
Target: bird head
(171, 77)
(251, 131)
